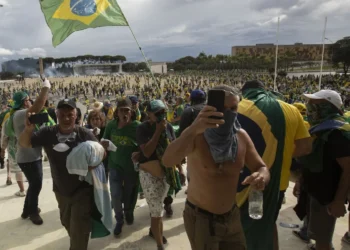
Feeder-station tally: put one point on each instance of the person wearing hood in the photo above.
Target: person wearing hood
(216, 150)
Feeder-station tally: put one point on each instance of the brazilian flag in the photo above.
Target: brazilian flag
(67, 16)
(261, 115)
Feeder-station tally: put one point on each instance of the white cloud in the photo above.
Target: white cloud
(3, 2)
(168, 29)
(5, 52)
(273, 20)
(35, 52)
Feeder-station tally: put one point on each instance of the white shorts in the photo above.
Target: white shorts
(155, 190)
(14, 168)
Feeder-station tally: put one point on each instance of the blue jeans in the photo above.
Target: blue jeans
(124, 190)
(33, 171)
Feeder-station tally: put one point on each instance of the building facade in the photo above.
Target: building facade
(302, 52)
(159, 67)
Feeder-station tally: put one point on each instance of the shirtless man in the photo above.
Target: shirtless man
(211, 217)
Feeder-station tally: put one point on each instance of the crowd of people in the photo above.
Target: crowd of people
(148, 128)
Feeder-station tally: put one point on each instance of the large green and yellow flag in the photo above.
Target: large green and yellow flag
(261, 115)
(67, 16)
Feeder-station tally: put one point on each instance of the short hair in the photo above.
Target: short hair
(98, 113)
(227, 88)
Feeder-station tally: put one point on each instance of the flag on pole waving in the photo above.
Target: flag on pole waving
(67, 16)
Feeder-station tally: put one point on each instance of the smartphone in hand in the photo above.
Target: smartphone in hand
(39, 118)
(216, 99)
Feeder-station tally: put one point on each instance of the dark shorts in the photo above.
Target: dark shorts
(279, 203)
(321, 224)
(213, 232)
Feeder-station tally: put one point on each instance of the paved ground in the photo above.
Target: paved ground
(18, 234)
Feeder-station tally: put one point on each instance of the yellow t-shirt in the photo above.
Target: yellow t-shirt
(5, 119)
(295, 130)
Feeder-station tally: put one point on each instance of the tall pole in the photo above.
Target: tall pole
(276, 59)
(323, 41)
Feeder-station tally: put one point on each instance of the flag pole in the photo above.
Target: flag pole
(143, 54)
(322, 59)
(276, 59)
(138, 44)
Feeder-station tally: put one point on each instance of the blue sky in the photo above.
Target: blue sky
(170, 29)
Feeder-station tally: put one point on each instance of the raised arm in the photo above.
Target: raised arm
(149, 147)
(184, 145)
(40, 101)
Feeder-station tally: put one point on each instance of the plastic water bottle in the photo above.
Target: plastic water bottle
(256, 204)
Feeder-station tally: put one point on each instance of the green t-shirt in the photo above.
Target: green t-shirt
(125, 140)
(178, 112)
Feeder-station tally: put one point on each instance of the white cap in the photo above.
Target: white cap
(328, 95)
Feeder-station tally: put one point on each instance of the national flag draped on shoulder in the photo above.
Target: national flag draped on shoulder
(67, 16)
(261, 116)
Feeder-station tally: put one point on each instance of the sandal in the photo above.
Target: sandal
(301, 237)
(8, 182)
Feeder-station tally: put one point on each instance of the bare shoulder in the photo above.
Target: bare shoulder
(243, 135)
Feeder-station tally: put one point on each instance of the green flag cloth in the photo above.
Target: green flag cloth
(67, 16)
(261, 116)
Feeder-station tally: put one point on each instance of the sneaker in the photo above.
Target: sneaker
(150, 234)
(301, 236)
(142, 196)
(118, 229)
(346, 238)
(168, 210)
(129, 217)
(36, 219)
(26, 215)
(8, 182)
(20, 194)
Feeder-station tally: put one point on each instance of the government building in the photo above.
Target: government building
(299, 51)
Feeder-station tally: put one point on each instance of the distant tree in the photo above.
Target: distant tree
(341, 54)
(7, 75)
(129, 67)
(142, 66)
(282, 73)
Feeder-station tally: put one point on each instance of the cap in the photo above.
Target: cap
(133, 99)
(124, 103)
(328, 95)
(198, 94)
(107, 103)
(155, 106)
(98, 105)
(18, 98)
(66, 103)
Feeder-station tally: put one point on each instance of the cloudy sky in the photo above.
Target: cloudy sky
(170, 29)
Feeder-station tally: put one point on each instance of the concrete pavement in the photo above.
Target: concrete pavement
(18, 234)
